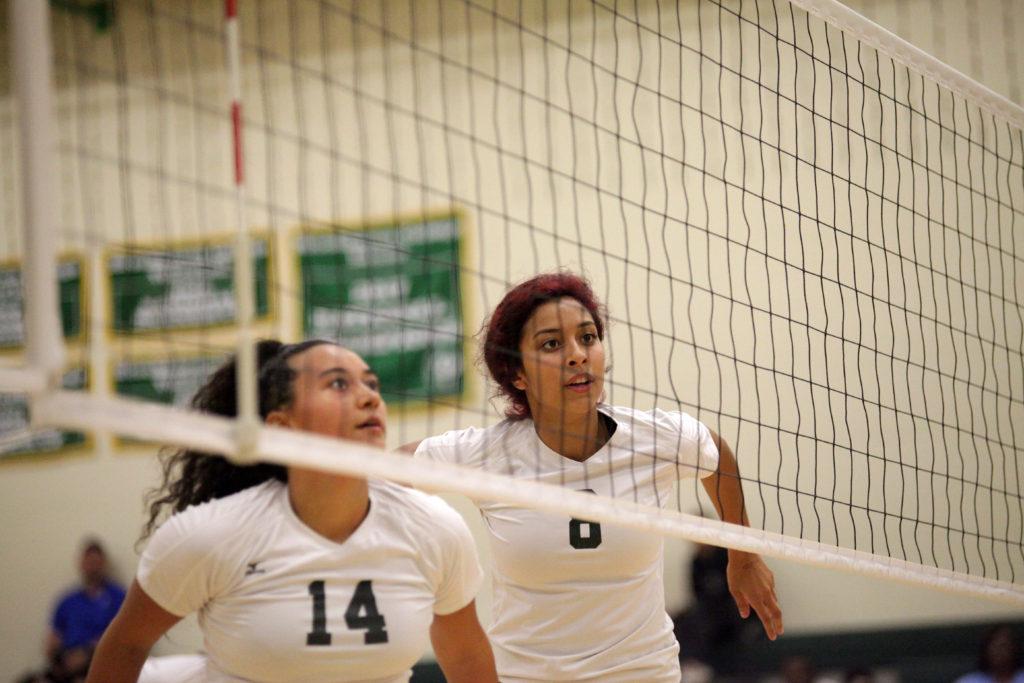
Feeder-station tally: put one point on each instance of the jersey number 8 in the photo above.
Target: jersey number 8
(576, 538)
(361, 613)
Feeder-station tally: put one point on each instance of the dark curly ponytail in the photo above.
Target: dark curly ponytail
(191, 477)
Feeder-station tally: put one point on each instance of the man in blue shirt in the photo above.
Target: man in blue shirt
(83, 614)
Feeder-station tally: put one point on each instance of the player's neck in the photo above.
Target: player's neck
(332, 506)
(573, 437)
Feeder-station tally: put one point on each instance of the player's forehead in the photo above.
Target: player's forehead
(323, 358)
(561, 314)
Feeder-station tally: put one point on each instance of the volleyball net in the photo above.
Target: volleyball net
(805, 231)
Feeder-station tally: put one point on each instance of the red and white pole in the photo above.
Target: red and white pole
(248, 419)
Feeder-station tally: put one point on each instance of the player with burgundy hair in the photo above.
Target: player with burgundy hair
(577, 600)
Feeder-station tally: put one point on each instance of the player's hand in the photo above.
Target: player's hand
(753, 587)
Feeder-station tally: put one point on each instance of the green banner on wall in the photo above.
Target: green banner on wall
(14, 416)
(12, 318)
(172, 381)
(392, 295)
(181, 287)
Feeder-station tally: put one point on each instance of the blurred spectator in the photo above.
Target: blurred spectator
(81, 616)
(712, 620)
(33, 678)
(859, 675)
(800, 669)
(694, 671)
(797, 669)
(998, 658)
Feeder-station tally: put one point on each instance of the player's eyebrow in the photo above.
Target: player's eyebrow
(334, 371)
(367, 373)
(551, 330)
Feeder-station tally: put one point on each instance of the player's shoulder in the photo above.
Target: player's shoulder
(654, 420)
(468, 445)
(214, 534)
(467, 436)
(414, 510)
(233, 513)
(409, 501)
(639, 417)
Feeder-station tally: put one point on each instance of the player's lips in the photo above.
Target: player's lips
(580, 383)
(373, 424)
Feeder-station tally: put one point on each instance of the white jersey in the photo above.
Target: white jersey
(174, 669)
(575, 600)
(278, 602)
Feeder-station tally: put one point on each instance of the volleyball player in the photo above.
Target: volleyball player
(300, 575)
(576, 600)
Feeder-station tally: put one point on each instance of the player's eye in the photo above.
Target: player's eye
(338, 383)
(550, 344)
(373, 385)
(588, 338)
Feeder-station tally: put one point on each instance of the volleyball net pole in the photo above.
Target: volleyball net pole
(31, 55)
(245, 349)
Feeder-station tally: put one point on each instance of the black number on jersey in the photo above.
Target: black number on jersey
(371, 620)
(319, 635)
(361, 613)
(579, 540)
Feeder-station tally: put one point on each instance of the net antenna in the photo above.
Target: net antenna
(248, 402)
(804, 229)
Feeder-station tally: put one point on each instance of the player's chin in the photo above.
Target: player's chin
(375, 436)
(591, 395)
(574, 403)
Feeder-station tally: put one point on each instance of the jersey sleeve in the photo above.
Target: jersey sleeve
(697, 450)
(460, 446)
(461, 574)
(178, 568)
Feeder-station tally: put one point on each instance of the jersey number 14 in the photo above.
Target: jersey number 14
(361, 613)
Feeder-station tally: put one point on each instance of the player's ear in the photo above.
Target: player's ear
(278, 418)
(519, 382)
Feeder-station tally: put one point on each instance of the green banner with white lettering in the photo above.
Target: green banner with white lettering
(12, 302)
(172, 381)
(181, 287)
(14, 417)
(391, 294)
